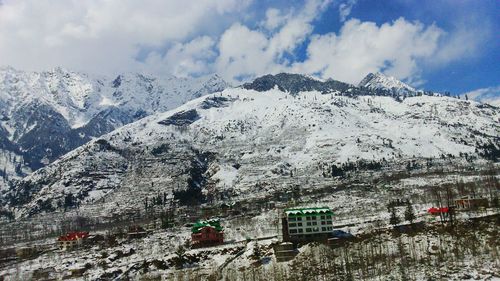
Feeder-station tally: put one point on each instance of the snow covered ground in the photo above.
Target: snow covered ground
(239, 139)
(469, 251)
(266, 151)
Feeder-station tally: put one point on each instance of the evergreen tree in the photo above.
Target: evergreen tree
(167, 219)
(257, 254)
(394, 220)
(409, 213)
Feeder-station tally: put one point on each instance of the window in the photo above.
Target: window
(299, 224)
(300, 230)
(328, 217)
(293, 231)
(330, 228)
(291, 219)
(308, 223)
(316, 229)
(314, 218)
(329, 222)
(323, 229)
(308, 218)
(322, 217)
(314, 223)
(308, 229)
(323, 222)
(292, 224)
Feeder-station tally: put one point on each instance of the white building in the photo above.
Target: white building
(305, 223)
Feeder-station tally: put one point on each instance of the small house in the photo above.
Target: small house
(307, 224)
(72, 240)
(469, 203)
(207, 233)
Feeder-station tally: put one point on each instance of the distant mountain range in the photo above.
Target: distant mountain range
(271, 134)
(44, 115)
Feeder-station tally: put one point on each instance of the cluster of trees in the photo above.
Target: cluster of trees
(489, 151)
(409, 214)
(158, 200)
(385, 256)
(341, 170)
(157, 151)
(192, 195)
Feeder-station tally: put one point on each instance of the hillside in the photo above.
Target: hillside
(242, 143)
(47, 114)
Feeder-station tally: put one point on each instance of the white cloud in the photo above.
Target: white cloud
(400, 48)
(194, 37)
(345, 9)
(363, 47)
(100, 36)
(489, 95)
(274, 19)
(182, 60)
(247, 53)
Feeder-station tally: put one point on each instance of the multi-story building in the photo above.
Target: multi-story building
(72, 240)
(307, 224)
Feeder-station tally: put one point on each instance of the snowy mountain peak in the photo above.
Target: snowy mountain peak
(380, 81)
(79, 107)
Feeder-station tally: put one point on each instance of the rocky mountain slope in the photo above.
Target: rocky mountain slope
(44, 115)
(377, 81)
(265, 136)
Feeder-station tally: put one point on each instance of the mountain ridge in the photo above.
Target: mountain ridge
(242, 142)
(46, 114)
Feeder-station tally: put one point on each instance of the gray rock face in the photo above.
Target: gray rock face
(182, 118)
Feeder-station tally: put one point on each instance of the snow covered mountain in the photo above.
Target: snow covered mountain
(43, 115)
(485, 95)
(266, 136)
(377, 81)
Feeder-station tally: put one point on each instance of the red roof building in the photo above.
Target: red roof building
(207, 236)
(71, 239)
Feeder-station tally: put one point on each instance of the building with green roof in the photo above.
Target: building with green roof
(207, 233)
(215, 223)
(303, 224)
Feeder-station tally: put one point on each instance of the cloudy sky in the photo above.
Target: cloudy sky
(444, 45)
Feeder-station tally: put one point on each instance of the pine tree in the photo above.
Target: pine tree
(257, 254)
(394, 220)
(409, 213)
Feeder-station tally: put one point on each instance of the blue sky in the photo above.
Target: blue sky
(478, 70)
(439, 45)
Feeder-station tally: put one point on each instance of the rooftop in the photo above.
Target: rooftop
(73, 236)
(307, 211)
(215, 223)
